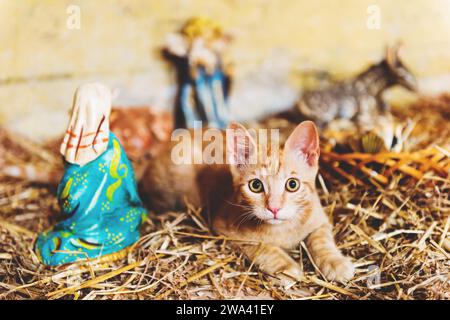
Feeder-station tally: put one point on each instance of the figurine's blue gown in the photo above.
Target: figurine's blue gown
(203, 97)
(101, 207)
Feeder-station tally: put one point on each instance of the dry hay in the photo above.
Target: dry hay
(397, 234)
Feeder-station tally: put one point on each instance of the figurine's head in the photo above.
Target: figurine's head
(202, 27)
(400, 73)
(201, 40)
(87, 136)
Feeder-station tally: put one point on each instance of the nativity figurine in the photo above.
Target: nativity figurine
(203, 83)
(98, 195)
(360, 99)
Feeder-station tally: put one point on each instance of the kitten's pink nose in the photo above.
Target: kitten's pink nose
(274, 211)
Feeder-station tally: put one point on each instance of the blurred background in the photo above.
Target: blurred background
(49, 47)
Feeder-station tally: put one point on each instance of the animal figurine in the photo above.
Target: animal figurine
(272, 201)
(203, 83)
(359, 99)
(97, 194)
(141, 130)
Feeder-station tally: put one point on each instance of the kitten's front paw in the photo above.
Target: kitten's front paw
(294, 271)
(290, 275)
(337, 268)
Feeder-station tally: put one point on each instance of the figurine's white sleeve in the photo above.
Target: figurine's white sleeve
(176, 44)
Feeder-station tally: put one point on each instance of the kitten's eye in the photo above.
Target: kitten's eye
(256, 186)
(292, 184)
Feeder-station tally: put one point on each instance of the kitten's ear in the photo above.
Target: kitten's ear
(304, 142)
(241, 147)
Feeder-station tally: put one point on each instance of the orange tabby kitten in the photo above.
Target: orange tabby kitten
(272, 201)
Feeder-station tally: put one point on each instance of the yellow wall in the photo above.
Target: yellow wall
(42, 61)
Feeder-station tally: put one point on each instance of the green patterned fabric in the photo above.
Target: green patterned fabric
(101, 209)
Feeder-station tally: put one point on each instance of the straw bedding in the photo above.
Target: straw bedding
(396, 232)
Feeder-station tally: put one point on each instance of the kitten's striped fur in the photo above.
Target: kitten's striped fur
(239, 213)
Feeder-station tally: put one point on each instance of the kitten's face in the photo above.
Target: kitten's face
(274, 197)
(280, 188)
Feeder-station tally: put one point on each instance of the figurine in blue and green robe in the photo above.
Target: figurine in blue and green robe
(203, 83)
(98, 195)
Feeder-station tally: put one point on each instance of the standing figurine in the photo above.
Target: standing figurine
(203, 83)
(97, 194)
(359, 99)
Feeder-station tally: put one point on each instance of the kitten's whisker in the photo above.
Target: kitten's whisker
(238, 205)
(247, 216)
(243, 218)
